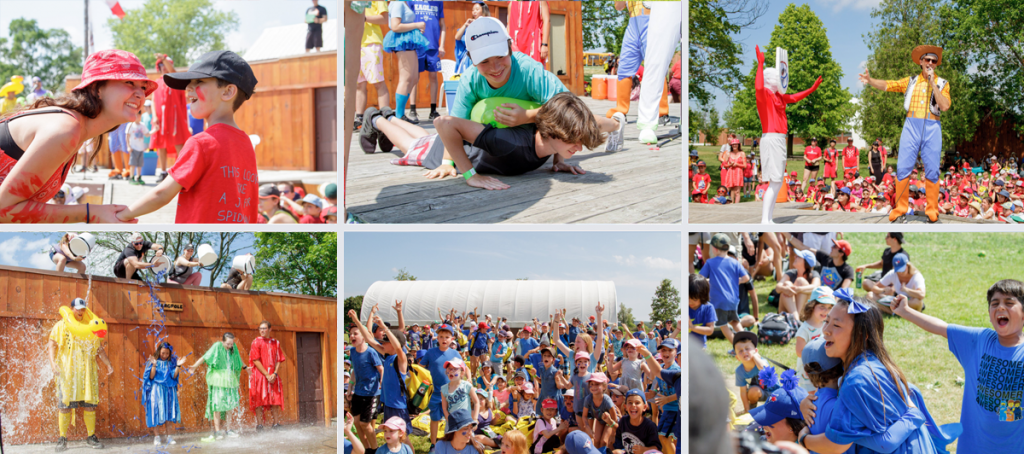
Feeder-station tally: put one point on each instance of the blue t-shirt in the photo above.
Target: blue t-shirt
(617, 346)
(401, 10)
(498, 351)
(527, 344)
(581, 391)
(702, 315)
(194, 123)
(445, 447)
(434, 362)
(743, 376)
(364, 367)
(458, 398)
(724, 275)
(573, 332)
(826, 402)
(348, 447)
(392, 387)
(431, 13)
(527, 80)
(480, 341)
(991, 409)
(402, 449)
(667, 389)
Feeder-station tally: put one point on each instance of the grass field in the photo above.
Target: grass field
(956, 279)
(709, 155)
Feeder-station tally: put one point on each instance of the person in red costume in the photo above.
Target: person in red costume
(812, 161)
(771, 107)
(528, 27)
(266, 394)
(170, 120)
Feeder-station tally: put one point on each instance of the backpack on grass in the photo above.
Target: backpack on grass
(776, 329)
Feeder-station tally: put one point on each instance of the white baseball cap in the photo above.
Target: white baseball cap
(486, 37)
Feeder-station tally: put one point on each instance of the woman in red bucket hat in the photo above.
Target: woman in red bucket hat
(38, 150)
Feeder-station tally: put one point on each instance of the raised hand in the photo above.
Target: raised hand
(864, 78)
(398, 306)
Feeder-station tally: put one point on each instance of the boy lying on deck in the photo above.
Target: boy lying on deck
(563, 126)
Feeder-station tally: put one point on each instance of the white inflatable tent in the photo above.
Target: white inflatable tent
(519, 301)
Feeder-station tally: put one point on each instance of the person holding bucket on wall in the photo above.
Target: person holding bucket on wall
(183, 273)
(242, 270)
(62, 256)
(132, 258)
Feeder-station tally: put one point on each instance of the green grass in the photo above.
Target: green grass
(956, 278)
(709, 155)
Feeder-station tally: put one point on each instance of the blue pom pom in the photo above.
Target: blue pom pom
(790, 380)
(767, 378)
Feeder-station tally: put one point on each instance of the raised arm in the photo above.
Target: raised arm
(401, 318)
(796, 97)
(402, 360)
(759, 75)
(933, 325)
(365, 332)
(599, 338)
(558, 341)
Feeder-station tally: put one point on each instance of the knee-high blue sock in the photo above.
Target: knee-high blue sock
(400, 101)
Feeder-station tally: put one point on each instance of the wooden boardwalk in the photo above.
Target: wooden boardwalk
(641, 184)
(797, 213)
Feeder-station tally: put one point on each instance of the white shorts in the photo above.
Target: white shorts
(773, 157)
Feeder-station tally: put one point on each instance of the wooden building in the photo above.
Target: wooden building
(565, 58)
(989, 138)
(294, 110)
(29, 303)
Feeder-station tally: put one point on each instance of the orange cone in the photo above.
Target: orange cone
(623, 87)
(902, 199)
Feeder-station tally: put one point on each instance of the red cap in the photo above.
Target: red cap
(591, 317)
(528, 328)
(734, 141)
(549, 403)
(114, 65)
(482, 326)
(844, 246)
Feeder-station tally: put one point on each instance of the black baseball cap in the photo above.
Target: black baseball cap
(744, 336)
(189, 247)
(269, 190)
(222, 64)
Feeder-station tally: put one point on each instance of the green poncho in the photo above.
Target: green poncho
(222, 375)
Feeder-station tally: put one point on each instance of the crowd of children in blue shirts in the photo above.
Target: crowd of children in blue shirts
(615, 396)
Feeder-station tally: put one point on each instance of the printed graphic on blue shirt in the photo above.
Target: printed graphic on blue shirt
(1001, 387)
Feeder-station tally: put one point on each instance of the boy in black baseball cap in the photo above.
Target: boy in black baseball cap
(215, 172)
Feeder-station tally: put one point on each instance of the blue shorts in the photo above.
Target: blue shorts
(436, 413)
(668, 424)
(429, 61)
(400, 412)
(478, 352)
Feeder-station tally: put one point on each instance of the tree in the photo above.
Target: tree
(31, 51)
(714, 58)
(354, 303)
(827, 111)
(665, 303)
(987, 35)
(226, 244)
(301, 263)
(907, 24)
(403, 275)
(603, 26)
(626, 315)
(710, 125)
(182, 29)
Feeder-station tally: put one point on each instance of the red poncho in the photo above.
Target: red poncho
(262, 393)
(170, 110)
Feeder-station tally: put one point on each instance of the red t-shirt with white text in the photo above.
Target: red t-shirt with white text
(217, 171)
(851, 157)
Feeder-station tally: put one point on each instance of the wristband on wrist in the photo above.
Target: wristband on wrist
(469, 174)
(448, 162)
(87, 213)
(800, 441)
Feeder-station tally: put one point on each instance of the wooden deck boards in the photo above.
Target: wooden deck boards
(636, 185)
(794, 213)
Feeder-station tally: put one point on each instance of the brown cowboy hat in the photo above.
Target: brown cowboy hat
(921, 50)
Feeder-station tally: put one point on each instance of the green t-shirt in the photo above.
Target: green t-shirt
(527, 80)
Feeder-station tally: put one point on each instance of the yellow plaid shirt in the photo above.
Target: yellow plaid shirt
(921, 98)
(636, 9)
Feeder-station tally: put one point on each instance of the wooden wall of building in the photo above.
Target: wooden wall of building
(29, 303)
(1001, 140)
(281, 110)
(455, 15)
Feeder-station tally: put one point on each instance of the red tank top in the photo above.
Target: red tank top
(10, 153)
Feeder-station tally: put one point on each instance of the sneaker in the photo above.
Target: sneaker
(156, 440)
(232, 434)
(276, 426)
(412, 116)
(116, 176)
(433, 115)
(94, 168)
(383, 142)
(171, 441)
(614, 142)
(354, 219)
(160, 178)
(259, 427)
(406, 119)
(94, 442)
(357, 123)
(79, 169)
(368, 133)
(648, 136)
(62, 444)
(210, 439)
(664, 120)
(220, 435)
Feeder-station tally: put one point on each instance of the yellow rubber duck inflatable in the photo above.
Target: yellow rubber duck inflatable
(78, 343)
(14, 85)
(91, 328)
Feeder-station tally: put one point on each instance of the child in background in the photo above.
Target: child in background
(478, 348)
(138, 133)
(702, 313)
(545, 434)
(499, 349)
(394, 433)
(434, 360)
(405, 40)
(823, 373)
(594, 408)
(643, 433)
(119, 152)
(484, 419)
(485, 380)
(214, 176)
(526, 403)
(751, 363)
(160, 390)
(815, 312)
(701, 183)
(457, 397)
(631, 367)
(501, 394)
(311, 205)
(724, 276)
(667, 401)
(371, 60)
(514, 442)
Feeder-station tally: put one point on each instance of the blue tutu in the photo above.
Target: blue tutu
(410, 40)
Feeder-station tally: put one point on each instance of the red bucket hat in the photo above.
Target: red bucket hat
(114, 64)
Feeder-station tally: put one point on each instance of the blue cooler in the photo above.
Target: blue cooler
(149, 159)
(450, 88)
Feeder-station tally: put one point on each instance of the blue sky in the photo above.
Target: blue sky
(253, 17)
(635, 261)
(846, 22)
(32, 250)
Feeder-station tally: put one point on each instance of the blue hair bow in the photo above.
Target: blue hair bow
(853, 307)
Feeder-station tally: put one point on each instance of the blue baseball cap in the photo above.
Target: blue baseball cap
(446, 327)
(670, 343)
(823, 295)
(780, 405)
(578, 442)
(636, 392)
(845, 190)
(814, 352)
(808, 257)
(899, 262)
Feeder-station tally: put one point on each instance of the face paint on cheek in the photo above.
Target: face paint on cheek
(199, 94)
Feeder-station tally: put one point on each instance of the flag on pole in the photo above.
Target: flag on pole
(115, 7)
